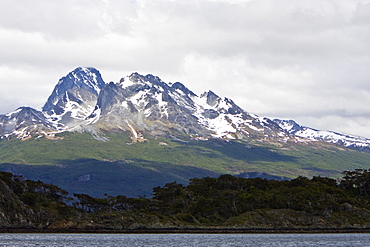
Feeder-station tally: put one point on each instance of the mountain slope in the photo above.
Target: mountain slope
(142, 132)
(307, 133)
(80, 163)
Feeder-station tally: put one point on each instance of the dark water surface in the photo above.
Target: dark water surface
(338, 240)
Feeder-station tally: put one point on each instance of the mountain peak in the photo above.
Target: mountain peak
(21, 110)
(211, 98)
(24, 122)
(181, 87)
(136, 77)
(81, 77)
(74, 97)
(289, 125)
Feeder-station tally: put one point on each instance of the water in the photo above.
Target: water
(182, 240)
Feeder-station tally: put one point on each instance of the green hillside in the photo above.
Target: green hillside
(80, 163)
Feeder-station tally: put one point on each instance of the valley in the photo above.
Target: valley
(79, 163)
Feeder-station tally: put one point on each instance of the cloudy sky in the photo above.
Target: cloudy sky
(292, 59)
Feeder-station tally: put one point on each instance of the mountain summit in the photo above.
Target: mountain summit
(146, 105)
(74, 97)
(71, 86)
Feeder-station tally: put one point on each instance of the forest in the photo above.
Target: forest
(225, 202)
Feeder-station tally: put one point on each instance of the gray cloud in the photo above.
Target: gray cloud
(68, 19)
(305, 60)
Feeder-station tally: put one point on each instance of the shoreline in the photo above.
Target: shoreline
(192, 231)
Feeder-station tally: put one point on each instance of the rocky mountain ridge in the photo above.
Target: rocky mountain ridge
(146, 105)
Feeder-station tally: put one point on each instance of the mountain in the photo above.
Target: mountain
(24, 122)
(147, 104)
(307, 133)
(141, 132)
(83, 101)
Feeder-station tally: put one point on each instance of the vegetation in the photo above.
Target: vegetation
(223, 202)
(31, 204)
(115, 165)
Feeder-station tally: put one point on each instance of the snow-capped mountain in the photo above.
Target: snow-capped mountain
(24, 122)
(74, 97)
(146, 105)
(307, 133)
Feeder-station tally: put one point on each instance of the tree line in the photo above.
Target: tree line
(203, 202)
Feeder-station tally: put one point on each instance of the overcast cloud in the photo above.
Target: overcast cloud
(292, 59)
